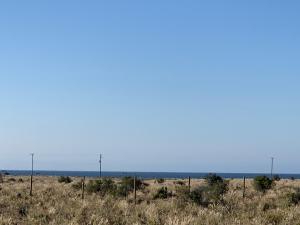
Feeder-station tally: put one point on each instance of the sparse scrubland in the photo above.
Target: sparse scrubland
(210, 201)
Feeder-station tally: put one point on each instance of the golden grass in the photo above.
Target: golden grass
(60, 204)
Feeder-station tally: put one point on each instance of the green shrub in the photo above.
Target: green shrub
(217, 186)
(160, 180)
(162, 193)
(215, 192)
(126, 186)
(63, 179)
(276, 177)
(212, 179)
(294, 198)
(199, 196)
(179, 182)
(262, 183)
(207, 194)
(129, 182)
(211, 192)
(122, 191)
(103, 187)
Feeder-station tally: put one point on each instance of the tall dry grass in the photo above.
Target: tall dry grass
(60, 204)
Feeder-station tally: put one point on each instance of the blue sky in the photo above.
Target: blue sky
(154, 86)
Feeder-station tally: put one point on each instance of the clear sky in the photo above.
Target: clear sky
(153, 85)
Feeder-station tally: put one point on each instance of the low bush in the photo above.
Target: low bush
(162, 193)
(129, 182)
(179, 182)
(276, 177)
(199, 196)
(102, 187)
(217, 186)
(160, 180)
(205, 195)
(211, 192)
(126, 186)
(262, 183)
(294, 198)
(212, 179)
(214, 193)
(122, 191)
(63, 179)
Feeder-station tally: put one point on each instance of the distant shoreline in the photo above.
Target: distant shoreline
(144, 175)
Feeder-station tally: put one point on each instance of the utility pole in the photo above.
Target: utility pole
(272, 165)
(31, 177)
(100, 165)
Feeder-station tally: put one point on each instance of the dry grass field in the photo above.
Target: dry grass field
(60, 204)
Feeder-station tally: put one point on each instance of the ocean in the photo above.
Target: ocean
(143, 175)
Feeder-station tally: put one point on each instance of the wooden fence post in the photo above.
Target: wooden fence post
(189, 184)
(244, 187)
(82, 187)
(31, 177)
(134, 189)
